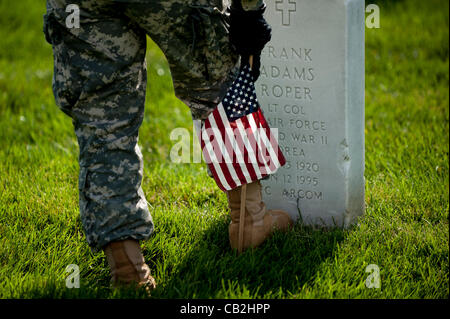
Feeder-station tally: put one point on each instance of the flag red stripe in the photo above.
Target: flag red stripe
(270, 161)
(210, 165)
(228, 143)
(244, 150)
(219, 156)
(253, 142)
(241, 146)
(272, 139)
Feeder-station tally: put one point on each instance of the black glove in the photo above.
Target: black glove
(249, 33)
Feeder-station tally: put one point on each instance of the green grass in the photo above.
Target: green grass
(405, 230)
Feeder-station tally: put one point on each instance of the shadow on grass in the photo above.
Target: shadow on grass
(210, 269)
(53, 290)
(279, 268)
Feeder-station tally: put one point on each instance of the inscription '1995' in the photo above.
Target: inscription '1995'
(298, 179)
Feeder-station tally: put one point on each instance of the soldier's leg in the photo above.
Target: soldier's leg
(194, 38)
(100, 81)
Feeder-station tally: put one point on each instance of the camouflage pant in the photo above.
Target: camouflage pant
(100, 81)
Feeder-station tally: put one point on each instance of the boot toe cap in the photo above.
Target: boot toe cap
(282, 220)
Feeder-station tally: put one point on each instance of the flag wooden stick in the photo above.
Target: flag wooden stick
(243, 200)
(242, 218)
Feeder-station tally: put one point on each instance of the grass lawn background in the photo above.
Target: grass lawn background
(405, 230)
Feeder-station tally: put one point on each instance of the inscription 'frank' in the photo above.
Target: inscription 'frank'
(298, 54)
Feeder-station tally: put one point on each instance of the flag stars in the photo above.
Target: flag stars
(240, 100)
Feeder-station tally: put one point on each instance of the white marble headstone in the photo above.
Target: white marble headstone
(312, 89)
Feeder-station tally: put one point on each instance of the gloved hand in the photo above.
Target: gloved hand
(245, 58)
(249, 33)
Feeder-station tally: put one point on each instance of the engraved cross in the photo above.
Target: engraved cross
(286, 7)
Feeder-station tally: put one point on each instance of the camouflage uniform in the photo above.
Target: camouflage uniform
(100, 81)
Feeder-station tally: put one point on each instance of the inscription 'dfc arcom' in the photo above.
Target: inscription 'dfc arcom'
(312, 89)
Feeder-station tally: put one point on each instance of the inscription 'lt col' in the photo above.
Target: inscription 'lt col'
(312, 89)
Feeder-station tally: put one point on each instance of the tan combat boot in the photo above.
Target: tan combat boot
(259, 223)
(127, 264)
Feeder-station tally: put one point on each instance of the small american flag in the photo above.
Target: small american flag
(238, 144)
